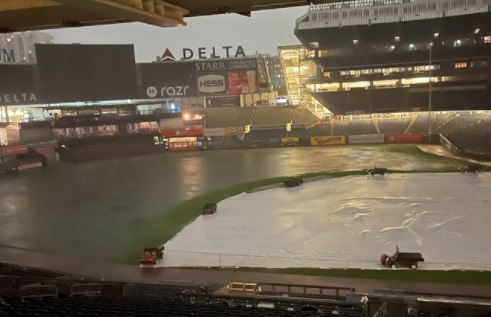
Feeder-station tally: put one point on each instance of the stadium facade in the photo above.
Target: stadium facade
(134, 110)
(377, 56)
(276, 74)
(20, 47)
(44, 108)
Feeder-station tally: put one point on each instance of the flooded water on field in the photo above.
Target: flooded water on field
(86, 209)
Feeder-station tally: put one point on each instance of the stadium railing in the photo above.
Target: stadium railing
(192, 259)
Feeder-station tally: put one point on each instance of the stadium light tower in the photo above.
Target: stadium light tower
(429, 96)
(430, 131)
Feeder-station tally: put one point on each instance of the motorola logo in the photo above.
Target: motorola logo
(152, 92)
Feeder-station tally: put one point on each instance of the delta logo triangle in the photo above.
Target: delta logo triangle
(167, 56)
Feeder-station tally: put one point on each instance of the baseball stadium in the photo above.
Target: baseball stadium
(347, 176)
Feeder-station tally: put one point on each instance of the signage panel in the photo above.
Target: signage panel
(226, 51)
(291, 141)
(7, 56)
(69, 73)
(183, 132)
(401, 138)
(238, 82)
(223, 101)
(224, 65)
(214, 131)
(234, 131)
(13, 149)
(17, 85)
(366, 139)
(167, 80)
(211, 84)
(328, 140)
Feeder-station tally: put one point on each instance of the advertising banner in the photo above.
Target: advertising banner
(212, 84)
(366, 139)
(222, 101)
(183, 132)
(328, 140)
(167, 80)
(290, 141)
(13, 150)
(214, 132)
(234, 131)
(238, 82)
(17, 85)
(239, 64)
(401, 138)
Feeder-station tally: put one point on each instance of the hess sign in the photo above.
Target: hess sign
(211, 84)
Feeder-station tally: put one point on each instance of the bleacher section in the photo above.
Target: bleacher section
(258, 116)
(45, 293)
(169, 306)
(393, 125)
(303, 115)
(49, 294)
(474, 135)
(272, 116)
(470, 130)
(421, 123)
(228, 117)
(460, 121)
(354, 127)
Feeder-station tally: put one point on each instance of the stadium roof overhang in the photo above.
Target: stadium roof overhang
(23, 15)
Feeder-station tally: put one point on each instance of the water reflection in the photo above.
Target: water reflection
(195, 178)
(87, 209)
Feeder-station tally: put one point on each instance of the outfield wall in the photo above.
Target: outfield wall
(395, 138)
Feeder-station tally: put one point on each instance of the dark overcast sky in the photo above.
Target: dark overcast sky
(264, 31)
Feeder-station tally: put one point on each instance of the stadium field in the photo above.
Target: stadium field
(400, 159)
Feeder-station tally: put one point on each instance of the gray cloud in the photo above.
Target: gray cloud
(263, 32)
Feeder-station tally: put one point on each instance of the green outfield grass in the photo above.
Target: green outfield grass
(450, 276)
(160, 229)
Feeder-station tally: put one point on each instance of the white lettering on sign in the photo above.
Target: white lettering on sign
(211, 84)
(214, 52)
(7, 56)
(207, 66)
(171, 91)
(18, 98)
(174, 91)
